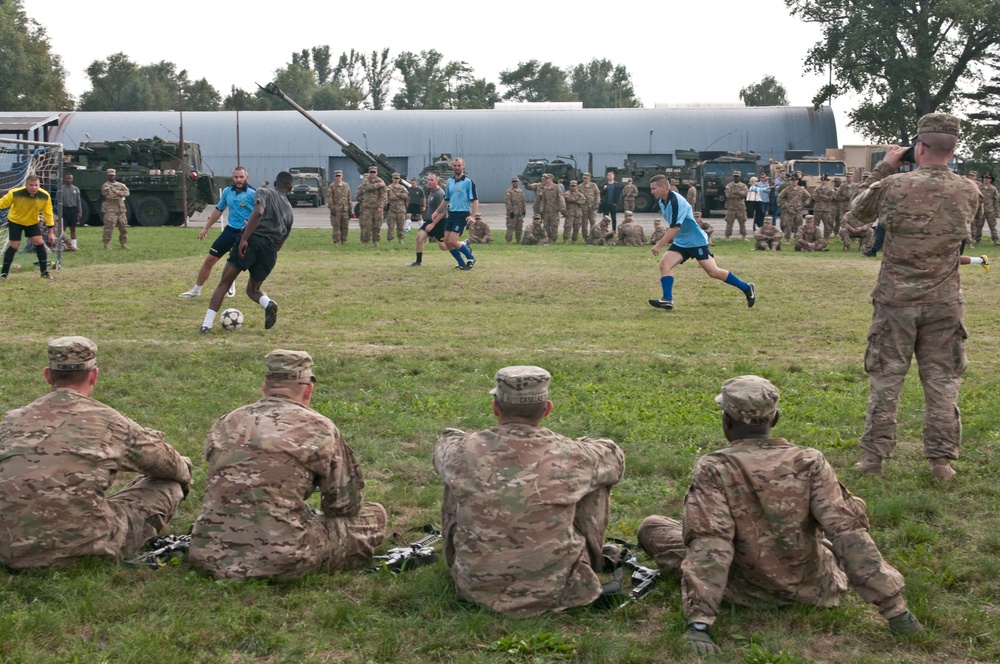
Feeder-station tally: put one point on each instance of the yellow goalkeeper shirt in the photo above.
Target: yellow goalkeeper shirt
(24, 207)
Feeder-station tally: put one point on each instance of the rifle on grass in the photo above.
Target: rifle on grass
(162, 551)
(644, 579)
(411, 556)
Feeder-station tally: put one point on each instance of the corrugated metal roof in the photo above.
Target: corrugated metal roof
(494, 144)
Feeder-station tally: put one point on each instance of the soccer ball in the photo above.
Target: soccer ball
(232, 319)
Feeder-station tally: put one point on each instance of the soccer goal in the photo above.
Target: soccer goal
(18, 160)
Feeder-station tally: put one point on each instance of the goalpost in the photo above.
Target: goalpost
(18, 160)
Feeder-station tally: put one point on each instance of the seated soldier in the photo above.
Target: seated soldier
(658, 231)
(705, 226)
(479, 231)
(851, 229)
(58, 457)
(768, 236)
(809, 237)
(535, 232)
(265, 460)
(524, 509)
(630, 234)
(766, 523)
(601, 233)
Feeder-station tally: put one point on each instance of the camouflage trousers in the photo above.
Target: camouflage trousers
(826, 218)
(515, 226)
(371, 225)
(709, 231)
(866, 238)
(589, 221)
(935, 334)
(395, 221)
(551, 222)
(574, 220)
(990, 219)
(629, 202)
(802, 245)
(119, 219)
(146, 505)
(738, 214)
(340, 222)
(768, 244)
(791, 219)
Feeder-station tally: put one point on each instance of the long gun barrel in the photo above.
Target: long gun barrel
(415, 554)
(362, 158)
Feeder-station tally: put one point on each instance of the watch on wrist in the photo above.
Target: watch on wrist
(698, 626)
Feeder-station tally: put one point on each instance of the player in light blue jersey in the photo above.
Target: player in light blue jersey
(686, 240)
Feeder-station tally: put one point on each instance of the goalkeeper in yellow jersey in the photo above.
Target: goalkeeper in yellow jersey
(24, 205)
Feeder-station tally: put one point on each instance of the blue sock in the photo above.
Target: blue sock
(733, 280)
(458, 256)
(466, 251)
(668, 287)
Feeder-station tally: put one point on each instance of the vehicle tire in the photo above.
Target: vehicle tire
(89, 209)
(644, 202)
(151, 211)
(315, 201)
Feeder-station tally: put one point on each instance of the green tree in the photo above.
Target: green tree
(600, 84)
(425, 80)
(200, 96)
(766, 92)
(378, 75)
(296, 81)
(476, 93)
(321, 64)
(983, 136)
(534, 81)
(333, 97)
(32, 78)
(118, 84)
(247, 101)
(904, 58)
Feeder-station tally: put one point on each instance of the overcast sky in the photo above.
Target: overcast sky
(676, 52)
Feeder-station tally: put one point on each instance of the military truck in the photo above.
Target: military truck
(308, 185)
(813, 167)
(562, 171)
(152, 170)
(441, 166)
(716, 171)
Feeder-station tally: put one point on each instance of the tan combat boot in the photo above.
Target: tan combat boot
(107, 247)
(870, 464)
(941, 469)
(124, 246)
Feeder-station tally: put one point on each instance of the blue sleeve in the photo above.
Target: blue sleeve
(222, 204)
(474, 196)
(447, 189)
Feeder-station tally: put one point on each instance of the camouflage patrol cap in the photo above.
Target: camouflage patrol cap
(938, 123)
(548, 175)
(572, 183)
(515, 179)
(973, 174)
(628, 214)
(479, 216)
(338, 172)
(283, 364)
(112, 171)
(697, 215)
(749, 399)
(768, 220)
(987, 176)
(396, 176)
(522, 385)
(537, 216)
(737, 174)
(373, 169)
(587, 175)
(809, 218)
(72, 354)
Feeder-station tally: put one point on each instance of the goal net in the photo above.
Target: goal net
(18, 160)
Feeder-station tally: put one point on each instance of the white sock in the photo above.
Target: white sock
(976, 260)
(264, 301)
(74, 243)
(209, 318)
(196, 289)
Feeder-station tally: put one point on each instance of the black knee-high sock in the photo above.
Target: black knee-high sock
(8, 258)
(43, 258)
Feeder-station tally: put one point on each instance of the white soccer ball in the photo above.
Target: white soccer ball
(232, 319)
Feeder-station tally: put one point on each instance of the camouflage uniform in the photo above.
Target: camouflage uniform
(792, 200)
(736, 209)
(630, 234)
(536, 188)
(576, 208)
(479, 231)
(692, 196)
(338, 199)
(823, 207)
(514, 202)
(918, 297)
(629, 192)
(398, 196)
(805, 235)
(866, 235)
(114, 212)
(593, 194)
(767, 237)
(264, 461)
(60, 454)
(601, 233)
(766, 523)
(658, 232)
(525, 509)
(989, 193)
(535, 232)
(372, 197)
(553, 203)
(705, 226)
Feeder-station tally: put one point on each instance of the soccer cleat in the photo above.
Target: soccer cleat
(190, 293)
(461, 267)
(751, 295)
(469, 263)
(3, 276)
(986, 263)
(662, 303)
(416, 264)
(270, 315)
(232, 290)
(46, 275)
(205, 329)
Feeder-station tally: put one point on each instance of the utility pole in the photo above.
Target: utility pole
(184, 168)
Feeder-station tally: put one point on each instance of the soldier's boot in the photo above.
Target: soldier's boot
(124, 246)
(870, 464)
(107, 246)
(941, 469)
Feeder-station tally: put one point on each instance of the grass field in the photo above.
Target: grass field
(403, 353)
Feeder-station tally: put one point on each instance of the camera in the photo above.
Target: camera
(908, 156)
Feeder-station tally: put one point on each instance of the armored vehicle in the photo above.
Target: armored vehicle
(813, 168)
(442, 167)
(716, 171)
(640, 177)
(152, 170)
(562, 171)
(308, 185)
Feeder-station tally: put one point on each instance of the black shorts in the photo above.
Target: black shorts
(414, 210)
(14, 231)
(262, 254)
(69, 215)
(437, 232)
(456, 222)
(225, 242)
(697, 253)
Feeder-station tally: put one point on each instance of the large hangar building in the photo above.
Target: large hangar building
(495, 144)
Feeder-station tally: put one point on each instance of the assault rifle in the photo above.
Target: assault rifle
(411, 556)
(162, 551)
(644, 579)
